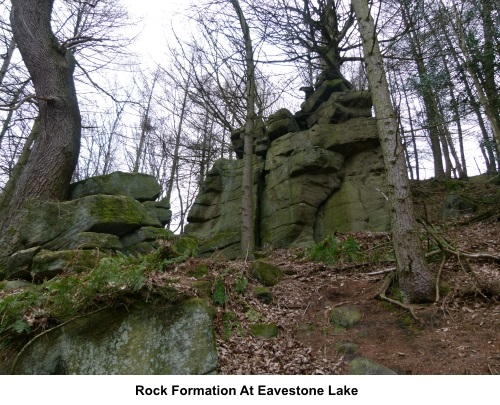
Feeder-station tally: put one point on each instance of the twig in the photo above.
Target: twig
(376, 273)
(438, 277)
(480, 255)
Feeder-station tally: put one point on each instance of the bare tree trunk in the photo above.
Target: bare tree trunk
(488, 103)
(428, 96)
(178, 132)
(7, 59)
(456, 118)
(145, 127)
(248, 220)
(415, 280)
(54, 156)
(8, 190)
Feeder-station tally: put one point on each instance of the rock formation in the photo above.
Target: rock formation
(315, 172)
(140, 340)
(115, 212)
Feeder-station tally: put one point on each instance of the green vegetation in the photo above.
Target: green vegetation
(333, 251)
(231, 325)
(240, 284)
(219, 296)
(344, 249)
(115, 280)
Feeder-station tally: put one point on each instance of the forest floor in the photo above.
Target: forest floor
(457, 334)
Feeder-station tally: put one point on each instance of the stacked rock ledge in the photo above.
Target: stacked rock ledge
(105, 214)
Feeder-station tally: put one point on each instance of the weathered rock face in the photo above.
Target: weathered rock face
(143, 340)
(216, 213)
(317, 172)
(108, 213)
(141, 187)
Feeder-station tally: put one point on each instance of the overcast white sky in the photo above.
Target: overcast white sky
(156, 18)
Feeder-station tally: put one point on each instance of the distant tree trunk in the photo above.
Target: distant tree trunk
(434, 119)
(54, 156)
(483, 88)
(414, 278)
(488, 144)
(6, 61)
(9, 188)
(175, 158)
(145, 128)
(248, 221)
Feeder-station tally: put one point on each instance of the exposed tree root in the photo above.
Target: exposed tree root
(381, 294)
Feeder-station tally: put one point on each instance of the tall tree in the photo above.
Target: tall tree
(53, 159)
(248, 220)
(414, 277)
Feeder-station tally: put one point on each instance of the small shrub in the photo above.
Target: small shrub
(231, 324)
(332, 251)
(219, 296)
(240, 284)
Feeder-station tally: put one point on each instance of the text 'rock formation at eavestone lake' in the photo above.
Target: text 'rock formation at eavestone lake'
(315, 172)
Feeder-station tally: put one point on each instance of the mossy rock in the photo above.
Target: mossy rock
(363, 366)
(264, 330)
(139, 186)
(13, 285)
(345, 317)
(160, 210)
(263, 294)
(456, 206)
(48, 264)
(94, 240)
(52, 224)
(19, 264)
(203, 288)
(200, 270)
(146, 234)
(266, 273)
(346, 347)
(138, 340)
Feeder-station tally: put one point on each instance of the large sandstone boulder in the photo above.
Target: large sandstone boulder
(141, 187)
(325, 179)
(54, 225)
(145, 340)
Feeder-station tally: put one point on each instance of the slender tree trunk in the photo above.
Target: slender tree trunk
(488, 144)
(488, 103)
(456, 118)
(144, 128)
(7, 59)
(428, 97)
(8, 190)
(415, 280)
(248, 220)
(178, 132)
(109, 144)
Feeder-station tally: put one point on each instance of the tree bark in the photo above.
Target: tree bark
(248, 220)
(54, 156)
(414, 278)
